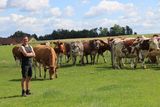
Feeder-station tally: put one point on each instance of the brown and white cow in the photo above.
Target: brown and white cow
(46, 56)
(77, 49)
(123, 49)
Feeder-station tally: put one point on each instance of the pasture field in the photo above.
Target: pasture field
(81, 86)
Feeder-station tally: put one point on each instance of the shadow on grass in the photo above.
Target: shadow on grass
(156, 68)
(121, 69)
(66, 66)
(8, 97)
(71, 65)
(39, 79)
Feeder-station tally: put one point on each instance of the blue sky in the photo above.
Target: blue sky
(44, 16)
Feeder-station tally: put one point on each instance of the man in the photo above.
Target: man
(27, 54)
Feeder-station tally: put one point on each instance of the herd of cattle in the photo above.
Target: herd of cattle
(136, 50)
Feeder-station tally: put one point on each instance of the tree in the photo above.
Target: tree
(116, 30)
(20, 34)
(35, 36)
(129, 31)
(103, 31)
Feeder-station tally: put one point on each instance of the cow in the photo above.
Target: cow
(77, 50)
(153, 57)
(17, 54)
(91, 48)
(62, 48)
(145, 47)
(123, 49)
(105, 46)
(46, 56)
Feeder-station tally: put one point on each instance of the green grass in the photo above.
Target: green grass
(81, 86)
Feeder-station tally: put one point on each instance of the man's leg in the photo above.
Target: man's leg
(28, 85)
(23, 81)
(28, 79)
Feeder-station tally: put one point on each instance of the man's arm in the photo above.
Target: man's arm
(32, 54)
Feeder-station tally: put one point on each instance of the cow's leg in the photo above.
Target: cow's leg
(34, 64)
(40, 73)
(68, 58)
(86, 58)
(120, 63)
(103, 58)
(91, 58)
(135, 62)
(74, 60)
(60, 59)
(97, 58)
(123, 60)
(82, 59)
(157, 58)
(132, 63)
(45, 70)
(94, 58)
(113, 56)
(117, 62)
(143, 63)
(34, 67)
(142, 56)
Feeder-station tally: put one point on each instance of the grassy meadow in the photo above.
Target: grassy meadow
(81, 86)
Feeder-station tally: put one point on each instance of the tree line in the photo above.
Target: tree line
(95, 32)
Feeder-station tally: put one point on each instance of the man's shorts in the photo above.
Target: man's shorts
(26, 71)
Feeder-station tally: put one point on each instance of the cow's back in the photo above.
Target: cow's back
(45, 55)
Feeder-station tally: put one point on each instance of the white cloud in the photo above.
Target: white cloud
(85, 1)
(29, 5)
(15, 22)
(69, 11)
(3, 4)
(55, 12)
(109, 6)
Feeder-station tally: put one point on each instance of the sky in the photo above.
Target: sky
(43, 16)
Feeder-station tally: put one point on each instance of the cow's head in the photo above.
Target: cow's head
(153, 44)
(75, 48)
(96, 44)
(60, 45)
(52, 72)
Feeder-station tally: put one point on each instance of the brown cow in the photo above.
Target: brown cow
(62, 48)
(91, 48)
(105, 46)
(46, 56)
